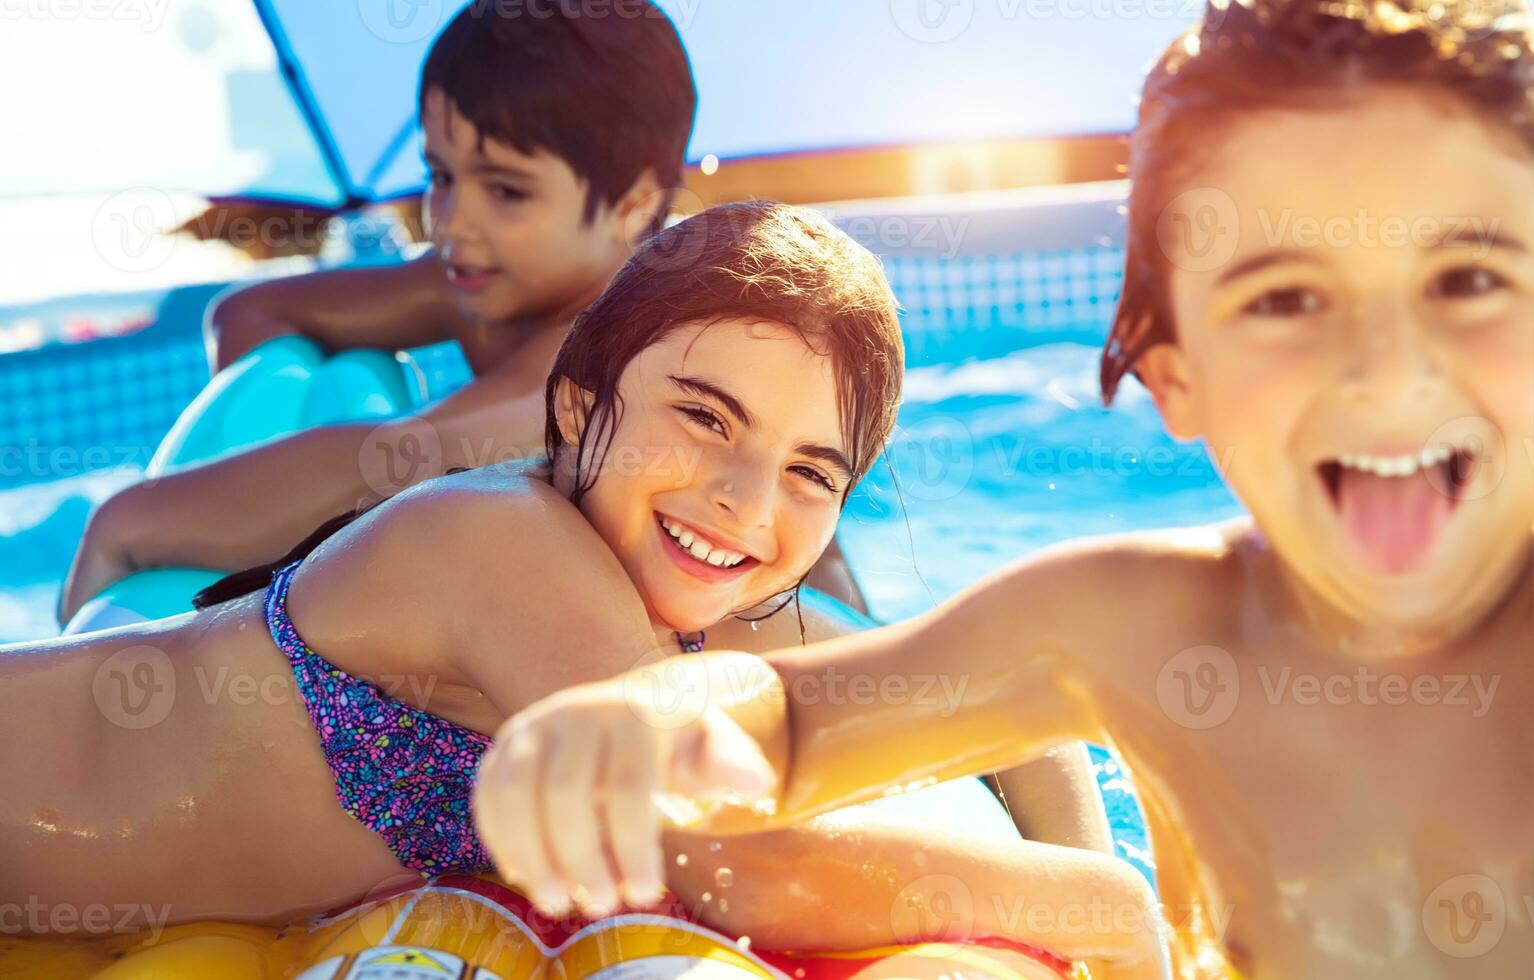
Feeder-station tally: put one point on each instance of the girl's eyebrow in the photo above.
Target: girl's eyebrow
(827, 455)
(708, 389)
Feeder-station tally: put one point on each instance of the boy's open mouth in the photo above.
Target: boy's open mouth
(1392, 507)
(470, 278)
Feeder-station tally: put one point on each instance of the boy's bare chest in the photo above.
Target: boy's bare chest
(1379, 824)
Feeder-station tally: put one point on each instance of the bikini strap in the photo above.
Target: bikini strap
(277, 621)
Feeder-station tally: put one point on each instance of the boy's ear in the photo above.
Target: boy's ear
(637, 209)
(1164, 371)
(572, 406)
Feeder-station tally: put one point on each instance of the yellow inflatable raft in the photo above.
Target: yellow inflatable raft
(459, 927)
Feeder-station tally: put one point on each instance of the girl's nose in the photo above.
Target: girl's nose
(746, 494)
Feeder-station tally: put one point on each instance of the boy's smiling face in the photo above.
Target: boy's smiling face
(1353, 294)
(512, 228)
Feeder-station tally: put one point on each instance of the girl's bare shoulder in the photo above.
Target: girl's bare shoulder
(486, 510)
(453, 557)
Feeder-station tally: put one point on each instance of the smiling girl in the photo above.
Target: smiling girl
(1321, 803)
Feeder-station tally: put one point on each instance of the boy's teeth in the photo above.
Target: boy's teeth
(1404, 465)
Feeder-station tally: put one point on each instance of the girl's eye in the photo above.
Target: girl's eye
(439, 179)
(810, 473)
(1287, 302)
(1466, 282)
(702, 416)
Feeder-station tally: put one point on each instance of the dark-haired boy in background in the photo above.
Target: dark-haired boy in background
(548, 163)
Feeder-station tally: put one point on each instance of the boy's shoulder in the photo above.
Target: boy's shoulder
(1125, 595)
(1139, 560)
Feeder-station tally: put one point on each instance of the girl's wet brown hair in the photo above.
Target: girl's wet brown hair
(1257, 55)
(760, 260)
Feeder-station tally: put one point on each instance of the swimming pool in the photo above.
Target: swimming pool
(1002, 446)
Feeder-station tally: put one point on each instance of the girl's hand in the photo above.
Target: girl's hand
(570, 797)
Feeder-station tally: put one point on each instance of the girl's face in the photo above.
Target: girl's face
(1353, 293)
(512, 228)
(725, 475)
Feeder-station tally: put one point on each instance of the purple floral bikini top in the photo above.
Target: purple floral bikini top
(404, 773)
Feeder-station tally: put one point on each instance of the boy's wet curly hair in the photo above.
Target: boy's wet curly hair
(1251, 55)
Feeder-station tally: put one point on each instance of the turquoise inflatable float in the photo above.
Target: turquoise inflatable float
(283, 386)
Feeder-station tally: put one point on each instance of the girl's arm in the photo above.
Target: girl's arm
(857, 879)
(1054, 799)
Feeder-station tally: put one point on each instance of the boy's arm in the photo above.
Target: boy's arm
(992, 679)
(393, 307)
(251, 507)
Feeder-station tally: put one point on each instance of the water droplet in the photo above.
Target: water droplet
(724, 877)
(724, 905)
(681, 860)
(715, 846)
(744, 942)
(707, 897)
